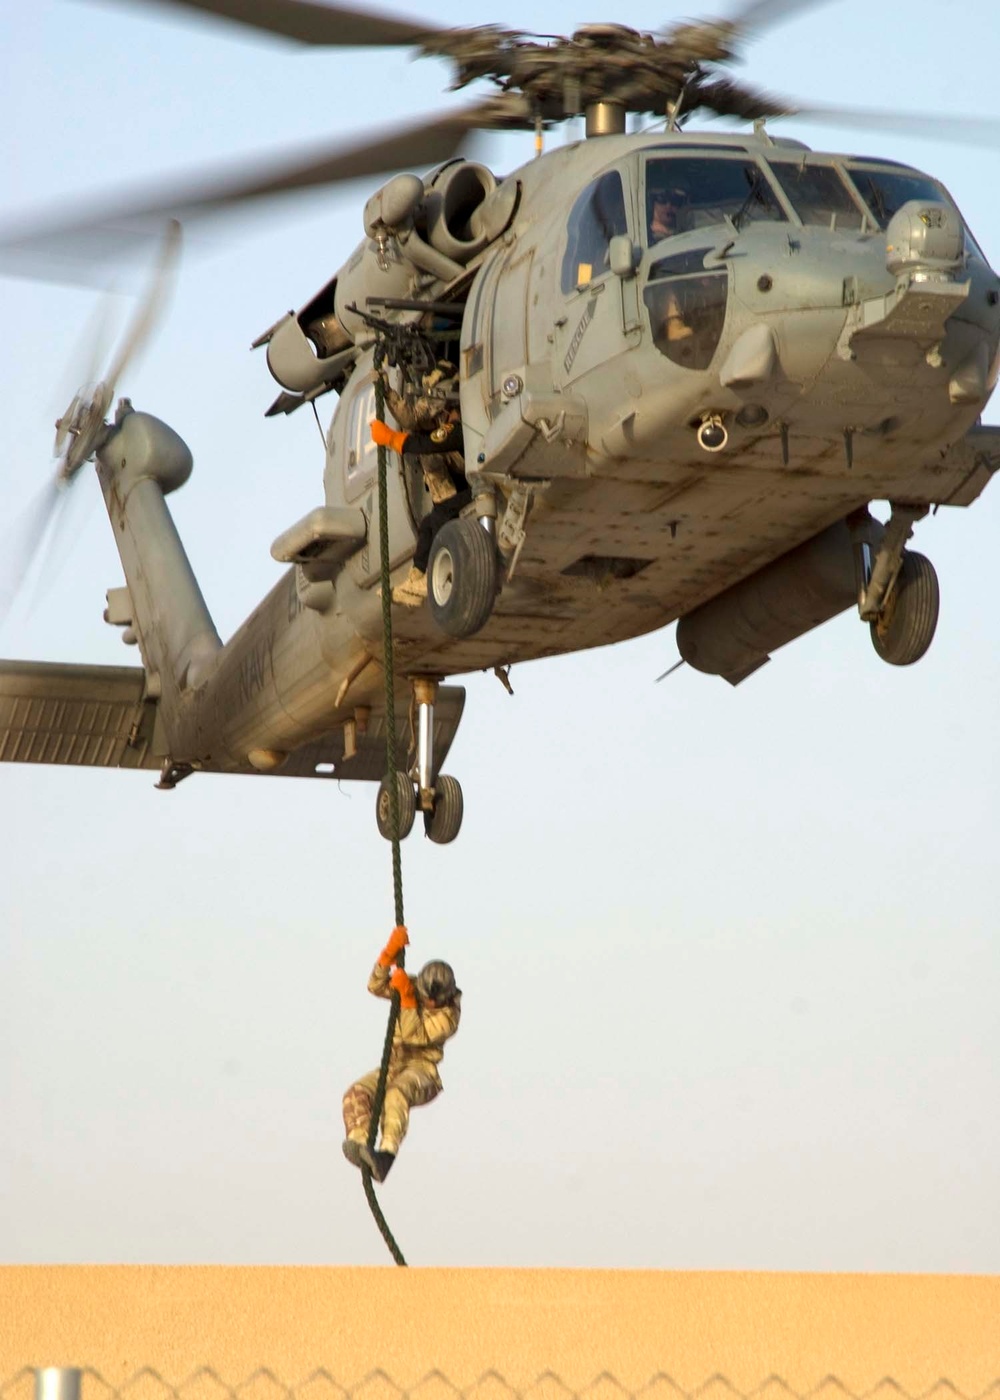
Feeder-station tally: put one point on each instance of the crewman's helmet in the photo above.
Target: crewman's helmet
(436, 982)
(672, 198)
(666, 190)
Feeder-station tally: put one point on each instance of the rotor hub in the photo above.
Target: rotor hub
(603, 70)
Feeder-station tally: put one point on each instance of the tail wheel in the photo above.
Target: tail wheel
(443, 824)
(462, 577)
(407, 798)
(905, 628)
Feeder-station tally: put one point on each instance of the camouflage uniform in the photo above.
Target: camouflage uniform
(413, 1078)
(421, 420)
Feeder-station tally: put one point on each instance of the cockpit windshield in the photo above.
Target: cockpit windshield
(685, 193)
(886, 191)
(817, 194)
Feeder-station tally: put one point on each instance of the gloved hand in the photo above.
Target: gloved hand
(384, 436)
(398, 940)
(400, 982)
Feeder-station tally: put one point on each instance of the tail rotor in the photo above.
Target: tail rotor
(82, 430)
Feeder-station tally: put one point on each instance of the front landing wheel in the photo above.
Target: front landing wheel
(905, 628)
(462, 577)
(407, 799)
(443, 824)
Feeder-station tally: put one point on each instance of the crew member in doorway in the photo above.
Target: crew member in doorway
(429, 1010)
(432, 430)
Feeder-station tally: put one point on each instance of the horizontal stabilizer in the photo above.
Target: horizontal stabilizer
(99, 717)
(90, 716)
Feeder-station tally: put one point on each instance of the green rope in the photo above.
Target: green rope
(390, 770)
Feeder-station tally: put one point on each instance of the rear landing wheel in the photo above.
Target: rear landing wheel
(905, 628)
(407, 805)
(443, 824)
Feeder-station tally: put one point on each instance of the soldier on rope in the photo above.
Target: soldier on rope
(430, 1008)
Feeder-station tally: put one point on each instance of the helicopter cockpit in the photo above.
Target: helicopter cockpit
(684, 194)
(689, 200)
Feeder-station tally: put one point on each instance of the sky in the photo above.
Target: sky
(729, 956)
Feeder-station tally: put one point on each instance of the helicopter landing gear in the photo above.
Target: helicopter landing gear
(407, 806)
(904, 628)
(898, 594)
(443, 823)
(462, 576)
(439, 796)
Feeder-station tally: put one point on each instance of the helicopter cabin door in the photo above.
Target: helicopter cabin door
(504, 297)
(598, 315)
(352, 478)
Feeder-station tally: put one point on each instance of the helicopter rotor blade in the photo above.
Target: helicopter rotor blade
(335, 26)
(23, 540)
(151, 308)
(972, 131)
(36, 541)
(756, 16)
(81, 430)
(70, 251)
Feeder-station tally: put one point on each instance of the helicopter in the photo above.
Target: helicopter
(685, 362)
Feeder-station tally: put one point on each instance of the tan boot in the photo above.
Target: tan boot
(412, 591)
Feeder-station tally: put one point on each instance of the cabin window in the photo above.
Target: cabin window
(361, 453)
(686, 305)
(817, 194)
(685, 193)
(886, 191)
(597, 217)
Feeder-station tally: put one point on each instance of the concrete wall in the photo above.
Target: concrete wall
(746, 1328)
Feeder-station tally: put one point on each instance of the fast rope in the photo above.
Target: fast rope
(391, 782)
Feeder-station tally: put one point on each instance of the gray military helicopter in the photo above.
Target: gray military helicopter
(686, 364)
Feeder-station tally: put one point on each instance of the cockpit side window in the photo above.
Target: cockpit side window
(597, 217)
(686, 304)
(886, 191)
(685, 193)
(817, 194)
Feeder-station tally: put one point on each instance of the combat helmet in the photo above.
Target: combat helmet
(436, 982)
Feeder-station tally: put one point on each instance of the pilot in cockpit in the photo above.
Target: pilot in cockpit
(667, 203)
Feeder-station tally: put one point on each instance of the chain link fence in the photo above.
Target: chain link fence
(205, 1383)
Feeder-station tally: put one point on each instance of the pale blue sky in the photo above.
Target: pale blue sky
(730, 958)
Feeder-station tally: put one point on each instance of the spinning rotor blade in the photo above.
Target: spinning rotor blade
(64, 251)
(970, 131)
(22, 541)
(81, 429)
(151, 308)
(36, 539)
(331, 25)
(758, 15)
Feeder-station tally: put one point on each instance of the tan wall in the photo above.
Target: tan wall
(745, 1327)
